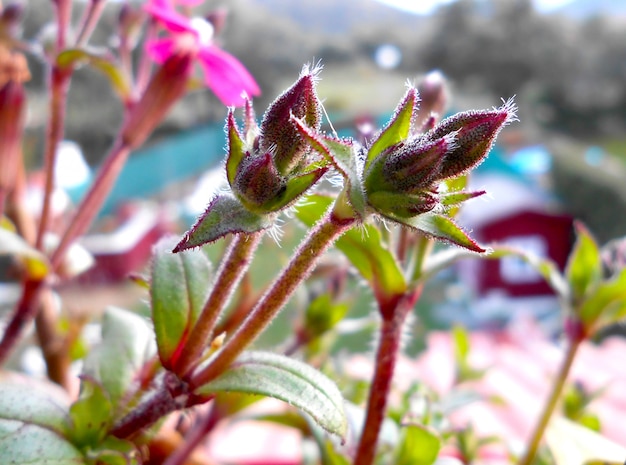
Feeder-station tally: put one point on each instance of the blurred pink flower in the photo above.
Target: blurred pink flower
(224, 74)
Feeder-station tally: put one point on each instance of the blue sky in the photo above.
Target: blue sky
(426, 6)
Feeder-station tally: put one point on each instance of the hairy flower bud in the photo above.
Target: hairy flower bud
(475, 133)
(257, 181)
(279, 133)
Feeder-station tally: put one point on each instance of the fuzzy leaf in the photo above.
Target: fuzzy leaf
(90, 414)
(36, 264)
(342, 156)
(419, 445)
(365, 249)
(104, 64)
(33, 424)
(398, 127)
(286, 379)
(440, 227)
(180, 284)
(224, 215)
(127, 342)
(584, 266)
(24, 443)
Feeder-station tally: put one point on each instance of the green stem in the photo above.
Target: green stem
(311, 249)
(553, 399)
(386, 358)
(232, 268)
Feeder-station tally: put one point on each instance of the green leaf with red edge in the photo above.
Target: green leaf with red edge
(584, 266)
(35, 263)
(398, 127)
(287, 379)
(607, 304)
(419, 445)
(440, 227)
(365, 249)
(341, 154)
(179, 288)
(103, 63)
(225, 215)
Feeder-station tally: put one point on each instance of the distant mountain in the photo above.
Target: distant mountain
(581, 9)
(337, 17)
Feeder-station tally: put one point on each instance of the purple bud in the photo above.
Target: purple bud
(475, 133)
(257, 181)
(279, 133)
(413, 166)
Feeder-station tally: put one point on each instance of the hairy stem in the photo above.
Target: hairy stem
(311, 249)
(232, 267)
(386, 357)
(552, 401)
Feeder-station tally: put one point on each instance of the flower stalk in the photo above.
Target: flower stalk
(332, 226)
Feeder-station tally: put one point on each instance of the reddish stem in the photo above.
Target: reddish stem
(232, 267)
(394, 313)
(301, 264)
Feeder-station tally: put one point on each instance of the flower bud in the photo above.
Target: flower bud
(257, 181)
(279, 133)
(167, 85)
(475, 133)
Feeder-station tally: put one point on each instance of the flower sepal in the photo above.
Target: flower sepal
(224, 215)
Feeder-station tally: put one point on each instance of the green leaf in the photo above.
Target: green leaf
(607, 304)
(573, 444)
(342, 155)
(419, 445)
(24, 443)
(398, 127)
(224, 215)
(584, 266)
(440, 227)
(36, 264)
(286, 379)
(323, 314)
(91, 415)
(33, 423)
(180, 285)
(105, 64)
(365, 249)
(127, 343)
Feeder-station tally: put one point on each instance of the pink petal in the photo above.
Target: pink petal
(161, 49)
(172, 20)
(227, 77)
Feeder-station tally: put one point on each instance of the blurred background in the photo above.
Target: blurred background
(564, 61)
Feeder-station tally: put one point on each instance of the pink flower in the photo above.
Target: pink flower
(224, 74)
